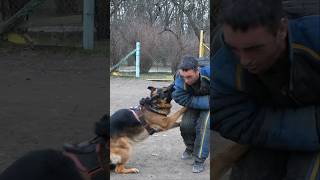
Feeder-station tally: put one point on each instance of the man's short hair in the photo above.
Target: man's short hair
(244, 14)
(188, 63)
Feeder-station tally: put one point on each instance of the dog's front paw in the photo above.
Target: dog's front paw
(120, 169)
(133, 170)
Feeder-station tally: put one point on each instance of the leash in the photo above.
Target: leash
(95, 164)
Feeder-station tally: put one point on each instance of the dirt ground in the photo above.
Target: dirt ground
(51, 97)
(158, 157)
(48, 97)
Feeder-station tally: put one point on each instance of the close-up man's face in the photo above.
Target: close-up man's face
(190, 76)
(257, 48)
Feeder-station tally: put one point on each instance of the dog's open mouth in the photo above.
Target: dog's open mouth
(161, 94)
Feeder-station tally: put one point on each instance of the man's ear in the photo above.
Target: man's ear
(283, 28)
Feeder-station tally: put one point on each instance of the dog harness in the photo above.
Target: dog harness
(137, 112)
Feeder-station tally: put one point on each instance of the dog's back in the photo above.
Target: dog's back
(42, 165)
(124, 123)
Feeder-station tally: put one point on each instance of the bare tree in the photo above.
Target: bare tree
(174, 27)
(189, 9)
(114, 6)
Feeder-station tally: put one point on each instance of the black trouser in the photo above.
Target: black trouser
(195, 131)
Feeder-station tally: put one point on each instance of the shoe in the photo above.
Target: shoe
(83, 147)
(197, 167)
(186, 155)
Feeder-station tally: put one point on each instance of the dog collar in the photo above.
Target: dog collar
(151, 108)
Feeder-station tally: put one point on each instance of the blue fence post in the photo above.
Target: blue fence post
(137, 59)
(88, 24)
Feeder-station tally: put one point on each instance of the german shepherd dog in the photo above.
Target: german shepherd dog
(128, 126)
(49, 164)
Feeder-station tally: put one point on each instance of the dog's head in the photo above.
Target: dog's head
(102, 127)
(163, 94)
(159, 99)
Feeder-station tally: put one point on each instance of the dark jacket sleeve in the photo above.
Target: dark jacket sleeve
(237, 117)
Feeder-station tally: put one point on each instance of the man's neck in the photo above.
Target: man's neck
(282, 61)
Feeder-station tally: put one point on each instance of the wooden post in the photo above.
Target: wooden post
(88, 24)
(201, 49)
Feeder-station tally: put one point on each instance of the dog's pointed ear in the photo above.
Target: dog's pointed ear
(151, 88)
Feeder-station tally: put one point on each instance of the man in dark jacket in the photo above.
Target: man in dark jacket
(192, 91)
(265, 84)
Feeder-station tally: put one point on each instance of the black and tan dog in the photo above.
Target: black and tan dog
(128, 126)
(51, 164)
